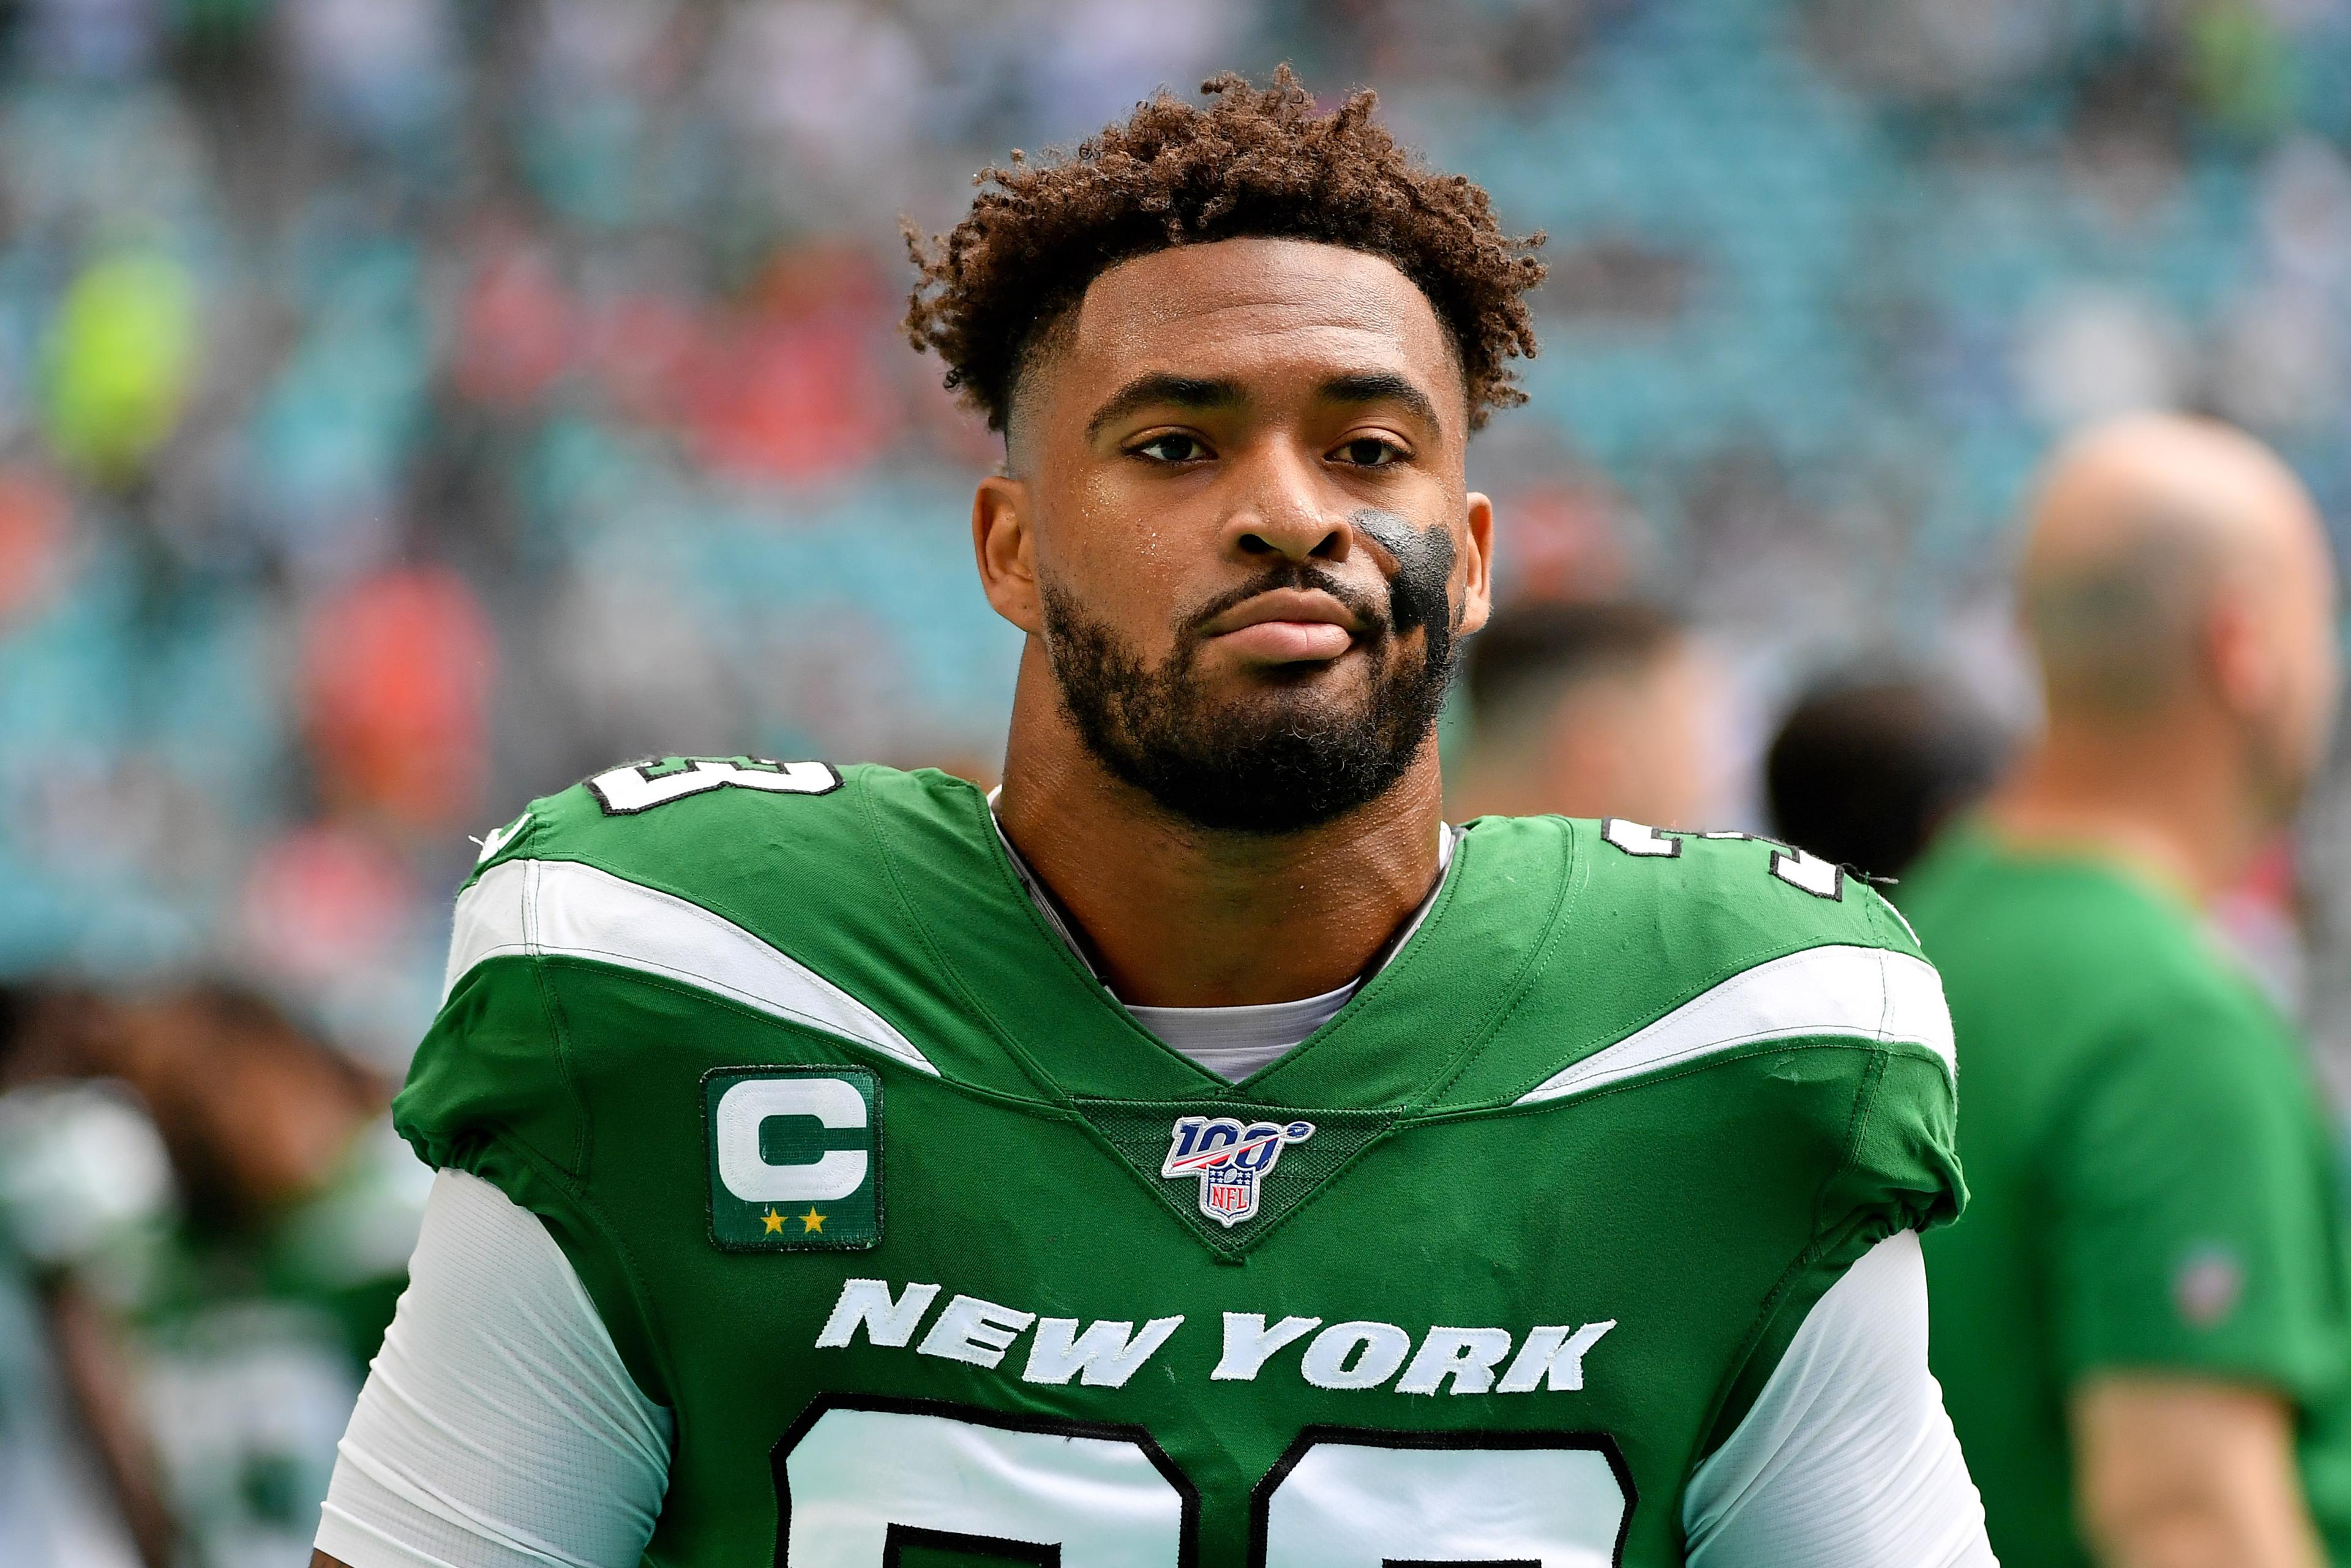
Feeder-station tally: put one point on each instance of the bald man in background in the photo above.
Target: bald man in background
(2141, 1325)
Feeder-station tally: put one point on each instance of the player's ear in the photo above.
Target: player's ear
(1478, 564)
(2239, 654)
(1004, 548)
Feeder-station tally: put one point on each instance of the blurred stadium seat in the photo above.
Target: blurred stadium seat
(407, 407)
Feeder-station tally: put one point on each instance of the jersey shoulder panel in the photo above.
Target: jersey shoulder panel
(786, 911)
(1679, 949)
(744, 879)
(1733, 996)
(661, 920)
(682, 823)
(791, 888)
(1731, 889)
(1782, 1000)
(825, 863)
(734, 884)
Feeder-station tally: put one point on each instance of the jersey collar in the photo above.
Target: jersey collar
(1399, 1037)
(1065, 927)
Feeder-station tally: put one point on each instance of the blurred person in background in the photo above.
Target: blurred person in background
(1866, 772)
(2144, 1325)
(214, 1219)
(1589, 710)
(79, 1178)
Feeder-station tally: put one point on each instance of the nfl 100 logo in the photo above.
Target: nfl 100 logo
(1230, 1157)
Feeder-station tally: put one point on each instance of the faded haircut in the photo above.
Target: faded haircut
(2116, 633)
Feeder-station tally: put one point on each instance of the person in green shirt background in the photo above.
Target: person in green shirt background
(204, 1222)
(2143, 1325)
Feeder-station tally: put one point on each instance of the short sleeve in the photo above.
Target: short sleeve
(493, 1062)
(1847, 1456)
(1902, 1170)
(494, 1089)
(2191, 1211)
(1895, 1138)
(497, 1428)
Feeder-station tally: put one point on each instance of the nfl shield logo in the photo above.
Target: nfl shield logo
(1231, 1158)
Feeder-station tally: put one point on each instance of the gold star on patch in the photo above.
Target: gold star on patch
(773, 1221)
(811, 1220)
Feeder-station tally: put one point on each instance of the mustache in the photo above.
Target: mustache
(1370, 607)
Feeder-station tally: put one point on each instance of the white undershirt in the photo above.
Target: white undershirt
(1234, 1042)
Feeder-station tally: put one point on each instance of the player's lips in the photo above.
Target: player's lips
(1286, 626)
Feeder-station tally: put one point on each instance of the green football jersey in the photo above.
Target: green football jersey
(2157, 1187)
(939, 1258)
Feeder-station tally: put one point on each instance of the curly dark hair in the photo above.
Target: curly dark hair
(1253, 162)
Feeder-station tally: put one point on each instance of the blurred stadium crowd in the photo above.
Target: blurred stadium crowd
(407, 406)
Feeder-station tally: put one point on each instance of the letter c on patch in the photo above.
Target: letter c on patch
(749, 1177)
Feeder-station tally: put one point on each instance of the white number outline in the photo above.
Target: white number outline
(708, 773)
(1187, 1546)
(1309, 1439)
(898, 1536)
(1789, 864)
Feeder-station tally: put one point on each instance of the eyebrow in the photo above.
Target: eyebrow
(1181, 391)
(1382, 386)
(1203, 391)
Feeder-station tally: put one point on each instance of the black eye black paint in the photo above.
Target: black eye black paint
(1417, 594)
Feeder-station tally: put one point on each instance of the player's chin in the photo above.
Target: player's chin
(1309, 682)
(1300, 697)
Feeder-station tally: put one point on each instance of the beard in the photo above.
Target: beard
(1285, 757)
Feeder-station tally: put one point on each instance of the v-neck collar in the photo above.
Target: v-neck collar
(1075, 1039)
(1065, 925)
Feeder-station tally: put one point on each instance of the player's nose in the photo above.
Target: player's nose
(1281, 513)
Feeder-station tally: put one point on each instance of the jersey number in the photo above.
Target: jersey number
(1797, 868)
(640, 786)
(878, 1483)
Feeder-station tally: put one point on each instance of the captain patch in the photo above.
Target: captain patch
(795, 1158)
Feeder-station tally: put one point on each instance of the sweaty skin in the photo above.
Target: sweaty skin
(1209, 418)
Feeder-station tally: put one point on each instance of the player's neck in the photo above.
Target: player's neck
(2172, 807)
(1178, 915)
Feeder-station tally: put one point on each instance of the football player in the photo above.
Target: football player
(1197, 1152)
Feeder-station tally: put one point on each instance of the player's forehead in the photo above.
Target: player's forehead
(1281, 317)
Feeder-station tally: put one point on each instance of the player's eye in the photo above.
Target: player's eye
(1369, 452)
(1173, 447)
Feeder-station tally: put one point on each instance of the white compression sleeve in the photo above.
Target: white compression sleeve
(498, 1427)
(1848, 1457)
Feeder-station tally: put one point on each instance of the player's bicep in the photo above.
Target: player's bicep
(1847, 1455)
(498, 1427)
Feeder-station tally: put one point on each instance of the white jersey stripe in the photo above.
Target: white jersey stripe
(1857, 993)
(573, 910)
